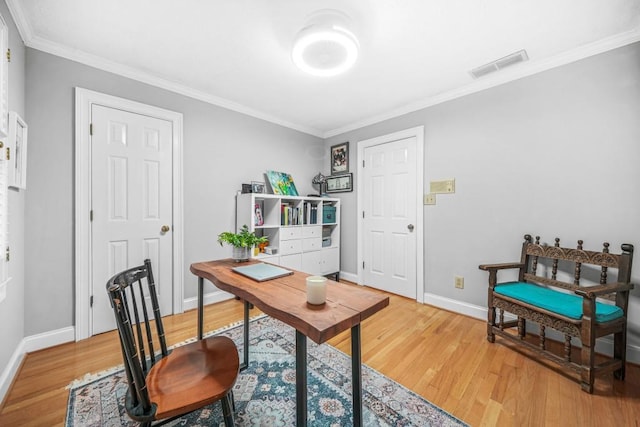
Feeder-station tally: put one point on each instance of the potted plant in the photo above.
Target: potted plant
(242, 242)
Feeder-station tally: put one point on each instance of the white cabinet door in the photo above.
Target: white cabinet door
(292, 261)
(330, 261)
(312, 262)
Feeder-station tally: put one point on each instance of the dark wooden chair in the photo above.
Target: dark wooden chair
(165, 384)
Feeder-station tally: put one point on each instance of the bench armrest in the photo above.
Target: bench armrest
(503, 266)
(493, 271)
(599, 290)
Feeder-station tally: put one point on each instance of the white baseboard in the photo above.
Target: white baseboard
(210, 298)
(49, 339)
(456, 306)
(27, 345)
(349, 276)
(9, 372)
(604, 345)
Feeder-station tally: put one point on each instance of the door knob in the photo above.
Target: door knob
(410, 227)
(165, 228)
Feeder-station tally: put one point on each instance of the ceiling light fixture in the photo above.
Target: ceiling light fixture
(325, 47)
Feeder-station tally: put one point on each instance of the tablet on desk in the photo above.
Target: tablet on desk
(261, 272)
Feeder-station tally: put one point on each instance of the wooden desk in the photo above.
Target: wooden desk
(285, 299)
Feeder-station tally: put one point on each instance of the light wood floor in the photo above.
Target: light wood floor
(442, 356)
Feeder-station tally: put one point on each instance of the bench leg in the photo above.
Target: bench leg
(522, 327)
(620, 352)
(491, 321)
(587, 356)
(587, 374)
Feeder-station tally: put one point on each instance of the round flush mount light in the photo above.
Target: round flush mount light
(325, 47)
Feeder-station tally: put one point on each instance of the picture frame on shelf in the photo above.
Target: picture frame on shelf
(17, 146)
(339, 183)
(257, 187)
(339, 157)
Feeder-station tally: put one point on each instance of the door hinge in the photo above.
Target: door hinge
(362, 214)
(362, 163)
(363, 265)
(91, 215)
(91, 301)
(8, 153)
(8, 55)
(90, 128)
(8, 255)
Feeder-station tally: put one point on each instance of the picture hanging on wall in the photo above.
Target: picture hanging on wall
(282, 183)
(339, 158)
(340, 183)
(17, 149)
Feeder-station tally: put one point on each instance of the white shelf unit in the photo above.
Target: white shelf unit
(304, 237)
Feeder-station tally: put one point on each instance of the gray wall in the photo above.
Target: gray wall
(222, 149)
(12, 308)
(554, 154)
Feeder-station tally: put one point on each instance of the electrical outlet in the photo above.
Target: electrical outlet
(459, 282)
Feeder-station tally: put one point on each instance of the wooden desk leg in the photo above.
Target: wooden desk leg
(301, 379)
(200, 306)
(356, 366)
(245, 363)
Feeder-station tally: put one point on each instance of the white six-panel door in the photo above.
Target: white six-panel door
(390, 223)
(131, 188)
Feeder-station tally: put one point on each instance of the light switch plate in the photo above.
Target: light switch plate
(445, 186)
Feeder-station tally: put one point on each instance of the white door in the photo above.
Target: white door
(131, 202)
(389, 224)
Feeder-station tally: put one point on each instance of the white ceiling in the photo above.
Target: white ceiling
(235, 53)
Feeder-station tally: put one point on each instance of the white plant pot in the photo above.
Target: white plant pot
(241, 254)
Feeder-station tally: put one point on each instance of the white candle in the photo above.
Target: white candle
(316, 290)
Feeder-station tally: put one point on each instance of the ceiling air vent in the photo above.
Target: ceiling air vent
(499, 64)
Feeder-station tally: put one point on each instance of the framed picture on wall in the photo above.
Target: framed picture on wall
(339, 183)
(17, 151)
(339, 156)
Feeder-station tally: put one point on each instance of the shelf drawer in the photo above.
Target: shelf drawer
(290, 247)
(312, 232)
(288, 233)
(313, 244)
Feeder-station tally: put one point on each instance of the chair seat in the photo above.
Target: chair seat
(567, 305)
(192, 376)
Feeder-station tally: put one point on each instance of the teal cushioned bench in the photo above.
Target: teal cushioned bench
(567, 305)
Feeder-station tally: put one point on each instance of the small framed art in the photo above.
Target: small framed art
(17, 151)
(257, 187)
(339, 183)
(339, 157)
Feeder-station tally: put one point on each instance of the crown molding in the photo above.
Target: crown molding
(505, 76)
(150, 79)
(15, 9)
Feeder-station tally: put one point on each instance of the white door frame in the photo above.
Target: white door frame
(84, 100)
(418, 133)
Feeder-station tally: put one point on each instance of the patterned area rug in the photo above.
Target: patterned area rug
(265, 391)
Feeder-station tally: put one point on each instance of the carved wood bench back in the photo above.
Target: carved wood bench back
(534, 252)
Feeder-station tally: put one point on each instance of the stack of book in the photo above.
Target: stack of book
(292, 215)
